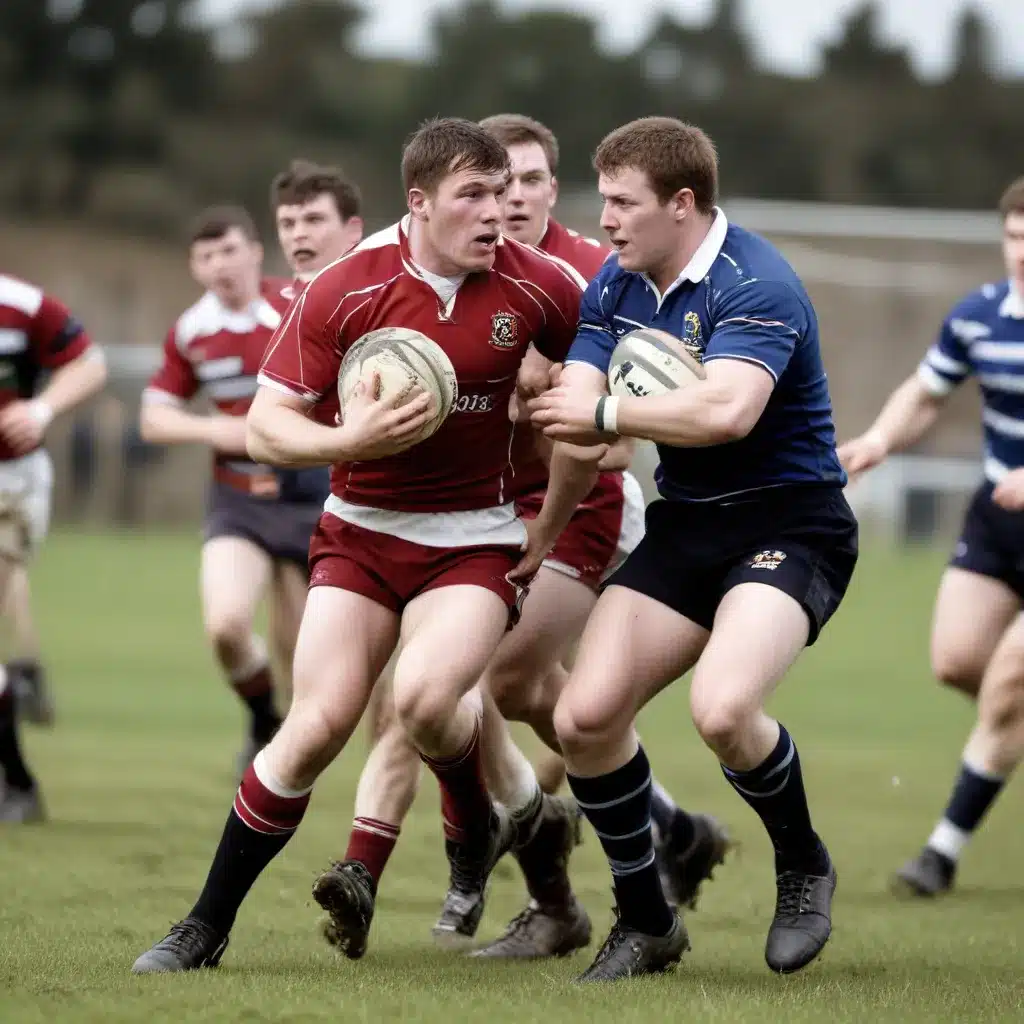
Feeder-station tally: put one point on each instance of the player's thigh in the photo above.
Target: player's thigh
(972, 611)
(233, 577)
(344, 642)
(553, 616)
(632, 647)
(758, 632)
(449, 634)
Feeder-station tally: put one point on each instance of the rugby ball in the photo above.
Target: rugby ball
(402, 360)
(648, 361)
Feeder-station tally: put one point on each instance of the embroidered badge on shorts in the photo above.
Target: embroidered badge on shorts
(767, 560)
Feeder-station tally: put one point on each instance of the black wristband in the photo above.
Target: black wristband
(599, 414)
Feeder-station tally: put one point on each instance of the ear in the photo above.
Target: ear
(683, 204)
(554, 192)
(418, 202)
(354, 229)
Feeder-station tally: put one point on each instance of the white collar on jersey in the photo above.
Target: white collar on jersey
(700, 262)
(1013, 304)
(707, 252)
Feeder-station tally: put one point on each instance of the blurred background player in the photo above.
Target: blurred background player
(37, 336)
(318, 214)
(258, 519)
(977, 640)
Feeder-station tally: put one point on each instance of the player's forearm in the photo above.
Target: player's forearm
(907, 416)
(571, 477)
(694, 417)
(286, 437)
(618, 457)
(74, 383)
(163, 423)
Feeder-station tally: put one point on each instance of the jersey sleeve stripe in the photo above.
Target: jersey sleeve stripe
(744, 359)
(945, 364)
(934, 382)
(757, 321)
(266, 381)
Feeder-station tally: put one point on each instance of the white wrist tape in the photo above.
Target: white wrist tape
(606, 415)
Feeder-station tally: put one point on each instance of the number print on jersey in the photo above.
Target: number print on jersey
(474, 403)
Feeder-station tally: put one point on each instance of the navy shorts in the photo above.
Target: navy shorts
(283, 529)
(802, 541)
(992, 541)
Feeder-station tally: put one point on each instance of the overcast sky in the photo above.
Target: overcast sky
(786, 32)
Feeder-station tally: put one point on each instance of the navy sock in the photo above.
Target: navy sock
(775, 790)
(618, 805)
(973, 794)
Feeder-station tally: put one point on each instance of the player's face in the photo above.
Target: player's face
(1013, 248)
(228, 266)
(532, 191)
(462, 220)
(313, 235)
(643, 229)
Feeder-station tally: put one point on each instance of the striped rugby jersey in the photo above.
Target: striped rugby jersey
(983, 336)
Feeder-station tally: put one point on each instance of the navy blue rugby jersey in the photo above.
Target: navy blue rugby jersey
(737, 298)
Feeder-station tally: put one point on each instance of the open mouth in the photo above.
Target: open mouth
(303, 254)
(518, 218)
(487, 238)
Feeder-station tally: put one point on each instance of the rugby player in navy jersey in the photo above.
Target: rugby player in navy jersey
(747, 553)
(977, 633)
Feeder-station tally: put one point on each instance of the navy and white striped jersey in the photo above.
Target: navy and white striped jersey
(984, 335)
(737, 298)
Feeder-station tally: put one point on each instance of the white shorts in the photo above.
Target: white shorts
(26, 491)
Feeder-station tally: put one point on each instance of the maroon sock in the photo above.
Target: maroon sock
(257, 692)
(371, 842)
(465, 802)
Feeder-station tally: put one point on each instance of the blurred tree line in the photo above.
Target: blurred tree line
(133, 113)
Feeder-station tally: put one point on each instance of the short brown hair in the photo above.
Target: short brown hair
(305, 180)
(672, 154)
(1012, 200)
(216, 221)
(444, 145)
(517, 129)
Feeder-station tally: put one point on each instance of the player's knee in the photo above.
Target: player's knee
(511, 692)
(581, 724)
(1001, 705)
(230, 634)
(423, 704)
(957, 668)
(721, 723)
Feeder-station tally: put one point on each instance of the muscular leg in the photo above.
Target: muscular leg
(234, 575)
(332, 686)
(758, 633)
(971, 614)
(631, 648)
(994, 749)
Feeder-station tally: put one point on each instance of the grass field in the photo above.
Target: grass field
(138, 778)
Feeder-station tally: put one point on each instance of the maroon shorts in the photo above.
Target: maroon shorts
(602, 532)
(392, 571)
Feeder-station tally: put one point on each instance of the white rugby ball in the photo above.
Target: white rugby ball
(403, 360)
(648, 361)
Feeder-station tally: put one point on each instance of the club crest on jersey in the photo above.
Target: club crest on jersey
(692, 336)
(767, 560)
(504, 330)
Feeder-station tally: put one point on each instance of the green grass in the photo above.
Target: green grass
(138, 778)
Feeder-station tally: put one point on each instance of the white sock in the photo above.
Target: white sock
(948, 840)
